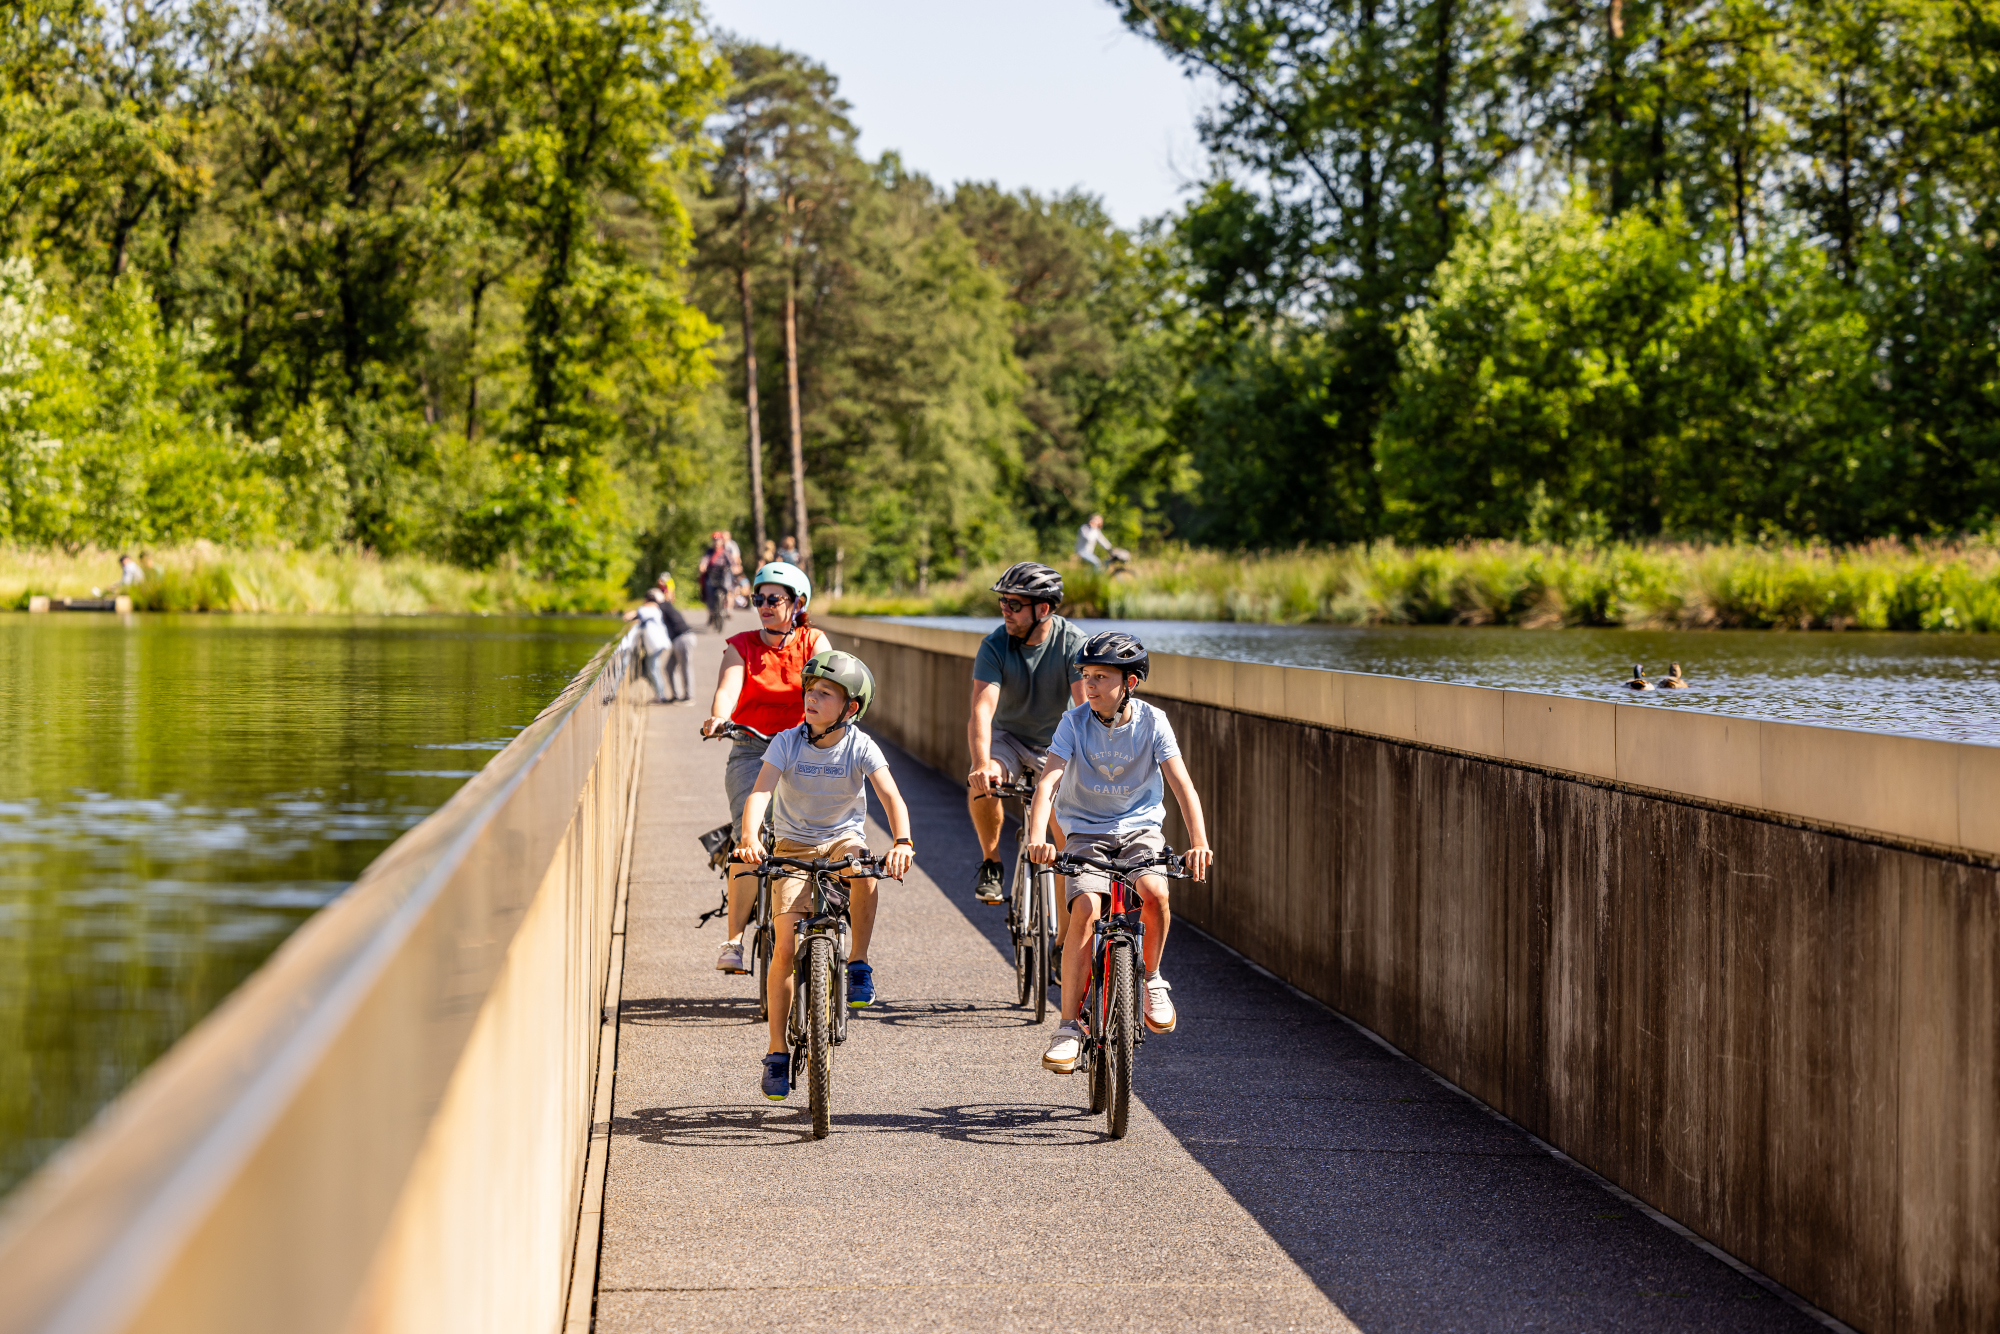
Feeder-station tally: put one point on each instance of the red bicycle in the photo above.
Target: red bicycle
(1112, 1020)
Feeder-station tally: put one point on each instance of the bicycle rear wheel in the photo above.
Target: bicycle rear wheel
(820, 999)
(1118, 1040)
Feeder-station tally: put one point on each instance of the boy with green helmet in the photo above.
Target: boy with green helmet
(815, 777)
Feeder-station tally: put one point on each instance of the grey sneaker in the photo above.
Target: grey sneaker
(730, 958)
(987, 887)
(1065, 1050)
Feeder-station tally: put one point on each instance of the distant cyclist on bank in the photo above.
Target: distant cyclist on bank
(1023, 681)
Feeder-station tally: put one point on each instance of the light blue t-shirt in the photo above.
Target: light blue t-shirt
(1111, 781)
(822, 794)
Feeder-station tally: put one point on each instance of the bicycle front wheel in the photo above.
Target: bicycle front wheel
(1118, 1039)
(821, 996)
(1042, 932)
(1020, 907)
(762, 941)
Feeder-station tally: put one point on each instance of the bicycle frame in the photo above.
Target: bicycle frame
(1120, 921)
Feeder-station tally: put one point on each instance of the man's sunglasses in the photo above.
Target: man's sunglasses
(1014, 606)
(768, 599)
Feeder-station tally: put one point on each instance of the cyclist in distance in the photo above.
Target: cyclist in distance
(1023, 679)
(1109, 760)
(817, 775)
(762, 687)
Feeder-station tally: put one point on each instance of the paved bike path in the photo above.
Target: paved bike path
(1281, 1171)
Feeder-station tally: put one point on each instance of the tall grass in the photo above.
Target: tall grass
(1878, 586)
(202, 577)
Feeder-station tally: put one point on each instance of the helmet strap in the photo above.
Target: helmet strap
(1117, 714)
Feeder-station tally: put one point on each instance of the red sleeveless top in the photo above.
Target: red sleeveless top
(774, 696)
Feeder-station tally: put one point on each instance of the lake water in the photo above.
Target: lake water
(178, 793)
(1945, 686)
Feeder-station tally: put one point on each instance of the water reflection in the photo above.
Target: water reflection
(1945, 686)
(178, 793)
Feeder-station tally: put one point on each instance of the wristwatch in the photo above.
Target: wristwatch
(905, 843)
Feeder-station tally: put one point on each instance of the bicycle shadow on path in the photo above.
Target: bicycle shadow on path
(1409, 1206)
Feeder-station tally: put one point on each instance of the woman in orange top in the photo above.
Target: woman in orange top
(761, 687)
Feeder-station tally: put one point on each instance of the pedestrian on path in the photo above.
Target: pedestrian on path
(680, 647)
(654, 639)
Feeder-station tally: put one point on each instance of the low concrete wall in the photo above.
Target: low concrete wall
(1748, 971)
(384, 1128)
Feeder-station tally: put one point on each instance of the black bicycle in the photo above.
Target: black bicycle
(818, 1021)
(718, 843)
(1031, 911)
(1112, 1017)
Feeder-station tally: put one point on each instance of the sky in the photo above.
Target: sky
(1048, 94)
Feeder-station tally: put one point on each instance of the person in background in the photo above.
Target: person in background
(788, 550)
(129, 572)
(768, 552)
(665, 583)
(680, 647)
(1089, 538)
(654, 640)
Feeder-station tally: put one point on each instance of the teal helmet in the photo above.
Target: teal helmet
(785, 575)
(846, 671)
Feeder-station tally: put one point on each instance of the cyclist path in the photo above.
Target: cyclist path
(1281, 1172)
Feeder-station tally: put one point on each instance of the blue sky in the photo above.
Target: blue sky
(1048, 94)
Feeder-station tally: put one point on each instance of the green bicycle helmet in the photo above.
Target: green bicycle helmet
(846, 671)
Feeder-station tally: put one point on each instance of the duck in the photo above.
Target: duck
(1672, 680)
(1638, 681)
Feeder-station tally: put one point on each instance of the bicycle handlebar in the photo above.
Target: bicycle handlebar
(868, 868)
(1169, 863)
(1002, 790)
(734, 732)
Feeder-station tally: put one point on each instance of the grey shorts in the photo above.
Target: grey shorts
(1021, 759)
(1111, 847)
(746, 761)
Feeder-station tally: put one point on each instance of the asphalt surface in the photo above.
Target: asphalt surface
(1281, 1171)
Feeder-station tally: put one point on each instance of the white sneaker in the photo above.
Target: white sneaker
(1160, 1016)
(1065, 1051)
(730, 958)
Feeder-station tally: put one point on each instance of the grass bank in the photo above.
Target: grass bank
(201, 577)
(1880, 586)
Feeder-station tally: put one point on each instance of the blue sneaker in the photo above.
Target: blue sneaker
(860, 985)
(777, 1075)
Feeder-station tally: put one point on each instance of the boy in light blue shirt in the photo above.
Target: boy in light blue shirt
(1110, 763)
(819, 773)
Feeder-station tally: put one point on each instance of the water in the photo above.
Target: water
(178, 793)
(1945, 686)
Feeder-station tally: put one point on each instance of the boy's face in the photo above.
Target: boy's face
(1102, 686)
(826, 704)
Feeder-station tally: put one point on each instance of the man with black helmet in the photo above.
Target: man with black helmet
(1023, 681)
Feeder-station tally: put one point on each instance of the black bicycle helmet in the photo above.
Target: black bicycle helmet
(1114, 648)
(1030, 579)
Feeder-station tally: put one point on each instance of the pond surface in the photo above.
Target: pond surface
(178, 793)
(1945, 686)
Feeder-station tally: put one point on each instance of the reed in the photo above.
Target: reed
(1877, 586)
(203, 577)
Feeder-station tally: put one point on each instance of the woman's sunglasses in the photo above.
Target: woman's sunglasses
(768, 599)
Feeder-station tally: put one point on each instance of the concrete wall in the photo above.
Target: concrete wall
(1748, 971)
(384, 1128)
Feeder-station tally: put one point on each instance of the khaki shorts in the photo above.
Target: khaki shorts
(1112, 848)
(792, 892)
(1020, 759)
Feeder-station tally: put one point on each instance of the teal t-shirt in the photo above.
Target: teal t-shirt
(1034, 679)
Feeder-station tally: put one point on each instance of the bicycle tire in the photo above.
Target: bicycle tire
(1118, 1041)
(762, 942)
(820, 994)
(1042, 932)
(1020, 905)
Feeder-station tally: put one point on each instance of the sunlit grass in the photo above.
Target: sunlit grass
(201, 577)
(1878, 586)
